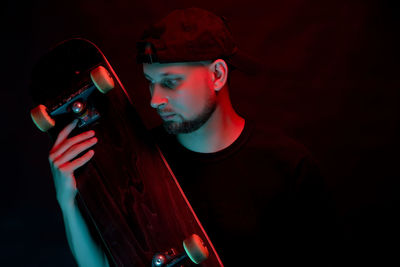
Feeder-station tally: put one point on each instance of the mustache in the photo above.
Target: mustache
(164, 111)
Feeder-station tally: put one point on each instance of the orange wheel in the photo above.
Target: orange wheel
(102, 79)
(195, 249)
(41, 118)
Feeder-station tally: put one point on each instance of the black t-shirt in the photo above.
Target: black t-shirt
(261, 200)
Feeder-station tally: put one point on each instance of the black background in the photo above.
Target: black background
(332, 83)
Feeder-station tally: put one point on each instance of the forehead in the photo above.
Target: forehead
(165, 69)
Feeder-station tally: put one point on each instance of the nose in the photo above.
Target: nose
(158, 99)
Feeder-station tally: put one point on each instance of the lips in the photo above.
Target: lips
(167, 116)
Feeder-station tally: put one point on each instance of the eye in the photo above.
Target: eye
(171, 83)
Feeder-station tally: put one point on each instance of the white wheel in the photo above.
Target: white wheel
(41, 118)
(195, 249)
(102, 79)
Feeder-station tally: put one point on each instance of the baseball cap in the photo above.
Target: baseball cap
(192, 34)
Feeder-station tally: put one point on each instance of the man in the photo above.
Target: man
(257, 192)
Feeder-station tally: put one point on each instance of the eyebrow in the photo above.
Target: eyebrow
(164, 75)
(147, 76)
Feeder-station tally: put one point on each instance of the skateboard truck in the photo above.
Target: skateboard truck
(161, 259)
(76, 103)
(194, 248)
(85, 112)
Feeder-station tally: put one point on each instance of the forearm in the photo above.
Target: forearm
(86, 251)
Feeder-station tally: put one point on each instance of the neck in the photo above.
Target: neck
(219, 132)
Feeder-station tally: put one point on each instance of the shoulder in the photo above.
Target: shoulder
(275, 141)
(274, 145)
(292, 157)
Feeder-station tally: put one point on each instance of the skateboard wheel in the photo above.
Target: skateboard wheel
(41, 118)
(102, 79)
(195, 249)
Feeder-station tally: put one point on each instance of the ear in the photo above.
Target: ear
(219, 70)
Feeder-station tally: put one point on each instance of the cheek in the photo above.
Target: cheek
(189, 102)
(194, 97)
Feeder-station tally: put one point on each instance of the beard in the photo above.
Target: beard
(188, 126)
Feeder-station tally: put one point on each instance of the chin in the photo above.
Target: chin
(182, 127)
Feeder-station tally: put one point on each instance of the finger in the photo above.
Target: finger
(79, 162)
(57, 151)
(74, 151)
(63, 134)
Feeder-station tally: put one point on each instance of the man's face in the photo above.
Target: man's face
(182, 94)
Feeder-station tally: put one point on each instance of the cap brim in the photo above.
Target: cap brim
(246, 63)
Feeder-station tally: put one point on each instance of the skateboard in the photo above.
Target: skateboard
(131, 200)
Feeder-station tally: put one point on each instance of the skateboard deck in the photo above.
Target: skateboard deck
(129, 196)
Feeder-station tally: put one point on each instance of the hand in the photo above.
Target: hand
(63, 162)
